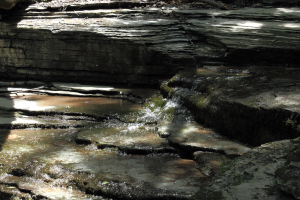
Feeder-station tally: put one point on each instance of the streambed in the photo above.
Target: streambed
(71, 141)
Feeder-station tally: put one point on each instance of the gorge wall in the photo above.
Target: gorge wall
(86, 42)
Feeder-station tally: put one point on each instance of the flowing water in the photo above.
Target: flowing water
(68, 141)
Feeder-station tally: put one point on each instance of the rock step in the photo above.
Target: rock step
(256, 105)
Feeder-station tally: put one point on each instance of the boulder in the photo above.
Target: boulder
(254, 175)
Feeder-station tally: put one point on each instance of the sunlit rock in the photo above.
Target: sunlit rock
(132, 138)
(193, 137)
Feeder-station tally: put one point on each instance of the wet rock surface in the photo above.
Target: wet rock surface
(61, 140)
(55, 145)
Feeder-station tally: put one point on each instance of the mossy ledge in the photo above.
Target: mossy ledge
(219, 103)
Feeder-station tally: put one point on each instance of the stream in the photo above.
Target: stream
(72, 141)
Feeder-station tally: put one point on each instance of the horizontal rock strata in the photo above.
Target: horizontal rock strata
(140, 46)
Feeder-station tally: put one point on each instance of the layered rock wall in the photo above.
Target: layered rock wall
(64, 42)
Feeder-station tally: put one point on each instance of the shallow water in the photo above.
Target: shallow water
(124, 150)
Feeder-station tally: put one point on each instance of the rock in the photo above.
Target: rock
(241, 102)
(287, 176)
(251, 176)
(118, 48)
(8, 4)
(163, 134)
(192, 137)
(132, 139)
(209, 162)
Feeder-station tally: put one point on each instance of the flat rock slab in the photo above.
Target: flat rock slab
(194, 137)
(132, 138)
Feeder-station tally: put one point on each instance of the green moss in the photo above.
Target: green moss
(165, 89)
(155, 102)
(226, 165)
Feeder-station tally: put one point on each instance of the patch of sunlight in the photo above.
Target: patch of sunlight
(22, 104)
(29, 105)
(17, 121)
(189, 129)
(291, 25)
(66, 156)
(287, 10)
(248, 25)
(287, 101)
(17, 89)
(220, 13)
(238, 26)
(82, 87)
(60, 193)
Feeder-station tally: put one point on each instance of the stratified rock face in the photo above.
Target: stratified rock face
(8, 4)
(77, 55)
(140, 46)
